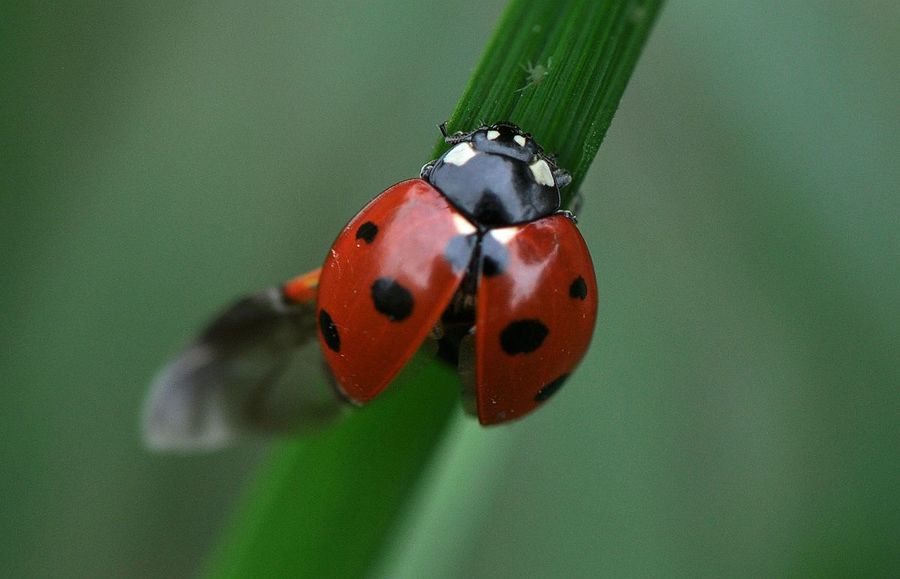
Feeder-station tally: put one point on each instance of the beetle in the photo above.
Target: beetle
(475, 256)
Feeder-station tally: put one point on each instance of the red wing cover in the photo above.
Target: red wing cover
(387, 280)
(537, 303)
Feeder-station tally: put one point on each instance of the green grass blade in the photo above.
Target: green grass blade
(591, 48)
(324, 505)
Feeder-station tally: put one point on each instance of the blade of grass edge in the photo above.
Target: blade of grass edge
(323, 506)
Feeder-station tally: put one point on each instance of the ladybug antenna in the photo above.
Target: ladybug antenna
(456, 137)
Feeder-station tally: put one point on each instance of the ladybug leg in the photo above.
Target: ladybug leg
(437, 331)
(426, 170)
(568, 215)
(563, 178)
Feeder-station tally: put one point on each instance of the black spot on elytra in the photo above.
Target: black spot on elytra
(459, 251)
(329, 331)
(578, 289)
(367, 232)
(550, 389)
(523, 336)
(494, 257)
(392, 299)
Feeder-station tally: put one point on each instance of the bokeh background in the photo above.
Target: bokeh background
(738, 411)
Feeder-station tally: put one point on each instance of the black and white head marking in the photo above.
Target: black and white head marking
(497, 176)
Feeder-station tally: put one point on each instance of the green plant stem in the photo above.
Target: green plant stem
(323, 506)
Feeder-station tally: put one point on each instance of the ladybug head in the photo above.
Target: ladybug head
(498, 176)
(508, 140)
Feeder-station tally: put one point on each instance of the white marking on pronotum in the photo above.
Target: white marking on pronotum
(520, 140)
(492, 134)
(460, 154)
(542, 173)
(504, 235)
(463, 227)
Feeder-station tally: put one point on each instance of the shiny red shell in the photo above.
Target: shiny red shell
(385, 284)
(535, 318)
(396, 266)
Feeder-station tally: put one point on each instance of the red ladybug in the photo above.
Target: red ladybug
(475, 254)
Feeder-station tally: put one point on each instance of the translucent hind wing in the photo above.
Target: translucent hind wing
(254, 369)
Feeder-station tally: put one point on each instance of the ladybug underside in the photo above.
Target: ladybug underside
(476, 254)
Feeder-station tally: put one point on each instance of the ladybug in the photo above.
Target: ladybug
(475, 256)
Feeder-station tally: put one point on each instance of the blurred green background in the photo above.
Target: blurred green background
(738, 411)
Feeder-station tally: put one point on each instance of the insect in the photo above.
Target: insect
(535, 73)
(475, 257)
